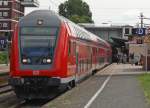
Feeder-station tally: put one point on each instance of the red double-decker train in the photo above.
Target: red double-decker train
(49, 51)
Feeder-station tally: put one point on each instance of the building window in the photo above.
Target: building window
(5, 3)
(5, 14)
(1, 14)
(1, 3)
(0, 25)
(127, 31)
(5, 25)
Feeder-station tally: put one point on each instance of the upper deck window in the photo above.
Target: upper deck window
(34, 31)
(37, 44)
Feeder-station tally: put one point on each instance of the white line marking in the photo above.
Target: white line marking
(97, 93)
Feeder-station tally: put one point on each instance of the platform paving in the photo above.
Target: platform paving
(4, 68)
(125, 69)
(121, 91)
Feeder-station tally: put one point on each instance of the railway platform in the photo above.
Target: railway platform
(4, 68)
(116, 86)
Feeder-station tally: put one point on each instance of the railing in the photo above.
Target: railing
(30, 3)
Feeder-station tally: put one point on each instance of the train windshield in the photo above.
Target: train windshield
(37, 45)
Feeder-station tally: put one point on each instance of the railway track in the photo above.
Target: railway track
(5, 88)
(8, 99)
(3, 77)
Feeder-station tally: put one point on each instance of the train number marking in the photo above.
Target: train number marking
(36, 72)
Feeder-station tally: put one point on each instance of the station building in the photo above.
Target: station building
(10, 13)
(109, 32)
(116, 35)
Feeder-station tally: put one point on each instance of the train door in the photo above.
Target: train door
(77, 62)
(73, 57)
(91, 61)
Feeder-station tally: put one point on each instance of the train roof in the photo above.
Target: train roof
(50, 18)
(92, 37)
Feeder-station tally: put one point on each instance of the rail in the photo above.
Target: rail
(5, 88)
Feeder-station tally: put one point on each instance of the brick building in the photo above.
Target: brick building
(10, 13)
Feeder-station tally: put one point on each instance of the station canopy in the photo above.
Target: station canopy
(118, 42)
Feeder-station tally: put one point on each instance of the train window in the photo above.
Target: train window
(69, 48)
(74, 48)
(80, 66)
(87, 61)
(94, 51)
(45, 31)
(33, 41)
(37, 43)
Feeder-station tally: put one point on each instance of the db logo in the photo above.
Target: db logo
(36, 72)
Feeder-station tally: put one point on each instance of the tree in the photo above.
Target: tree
(76, 10)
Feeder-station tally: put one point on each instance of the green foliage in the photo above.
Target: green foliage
(76, 10)
(145, 82)
(80, 19)
(3, 58)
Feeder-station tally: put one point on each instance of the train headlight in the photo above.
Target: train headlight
(28, 60)
(48, 60)
(44, 60)
(24, 60)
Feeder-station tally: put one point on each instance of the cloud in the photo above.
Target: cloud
(116, 11)
(132, 12)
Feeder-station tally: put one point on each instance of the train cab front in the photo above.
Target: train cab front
(33, 65)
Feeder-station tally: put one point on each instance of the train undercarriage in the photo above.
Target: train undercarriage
(29, 88)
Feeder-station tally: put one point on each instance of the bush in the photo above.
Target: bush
(145, 83)
(3, 57)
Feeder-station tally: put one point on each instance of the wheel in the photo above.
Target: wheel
(94, 72)
(71, 84)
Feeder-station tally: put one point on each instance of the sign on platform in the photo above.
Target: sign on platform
(3, 43)
(139, 31)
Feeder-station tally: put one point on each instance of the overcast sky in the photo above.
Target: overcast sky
(108, 11)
